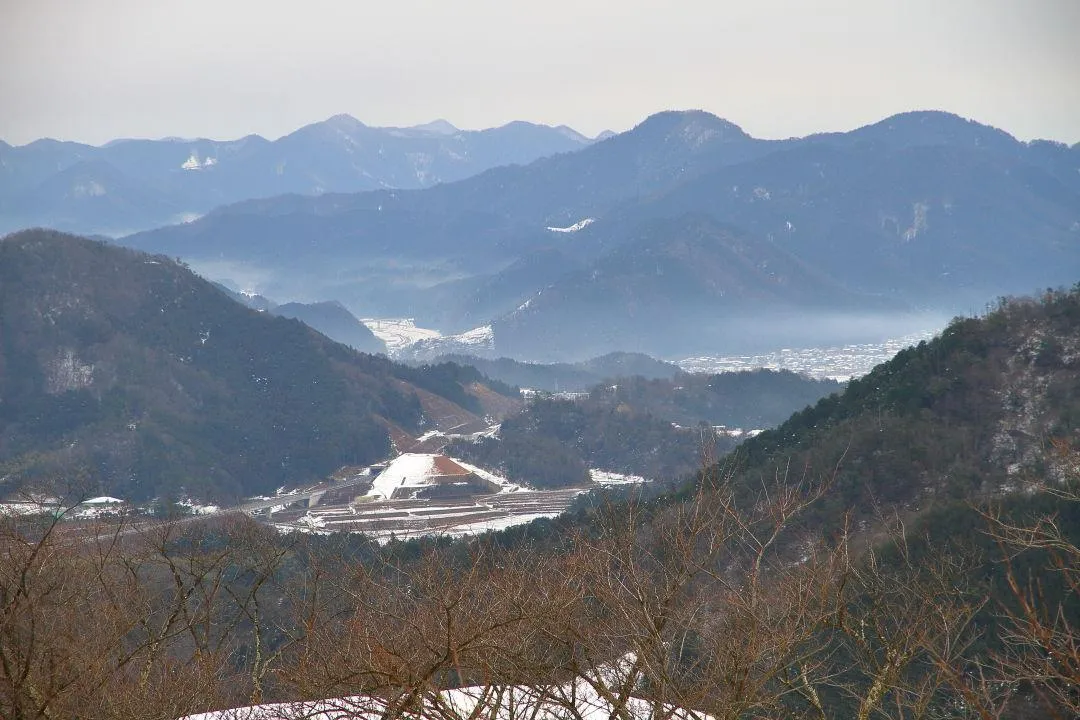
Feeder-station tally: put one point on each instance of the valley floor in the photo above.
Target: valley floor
(842, 362)
(409, 518)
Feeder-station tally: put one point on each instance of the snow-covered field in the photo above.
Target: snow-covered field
(736, 433)
(28, 507)
(470, 341)
(405, 519)
(399, 333)
(837, 363)
(604, 477)
(403, 336)
(89, 509)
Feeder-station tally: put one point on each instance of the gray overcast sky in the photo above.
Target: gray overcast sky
(92, 70)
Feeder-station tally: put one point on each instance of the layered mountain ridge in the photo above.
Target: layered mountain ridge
(684, 235)
(128, 185)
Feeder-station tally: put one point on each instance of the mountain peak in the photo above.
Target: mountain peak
(571, 133)
(344, 121)
(937, 127)
(439, 126)
(694, 127)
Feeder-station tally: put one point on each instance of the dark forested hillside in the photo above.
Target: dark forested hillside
(136, 377)
(971, 413)
(659, 428)
(329, 317)
(335, 322)
(553, 441)
(557, 377)
(749, 400)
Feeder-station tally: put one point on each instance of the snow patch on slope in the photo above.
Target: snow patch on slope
(472, 341)
(579, 225)
(605, 477)
(483, 335)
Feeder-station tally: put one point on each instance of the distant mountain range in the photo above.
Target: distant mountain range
(683, 234)
(127, 374)
(130, 185)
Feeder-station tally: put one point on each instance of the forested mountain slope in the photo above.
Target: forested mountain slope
(556, 377)
(660, 429)
(969, 414)
(131, 375)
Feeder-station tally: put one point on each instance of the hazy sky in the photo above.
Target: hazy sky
(92, 70)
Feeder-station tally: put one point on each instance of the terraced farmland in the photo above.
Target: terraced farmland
(414, 517)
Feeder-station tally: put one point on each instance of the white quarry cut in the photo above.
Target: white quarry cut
(411, 472)
(579, 225)
(408, 470)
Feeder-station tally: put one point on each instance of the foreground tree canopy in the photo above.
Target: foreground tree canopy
(722, 606)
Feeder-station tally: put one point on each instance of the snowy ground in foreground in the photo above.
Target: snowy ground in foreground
(836, 363)
(579, 698)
